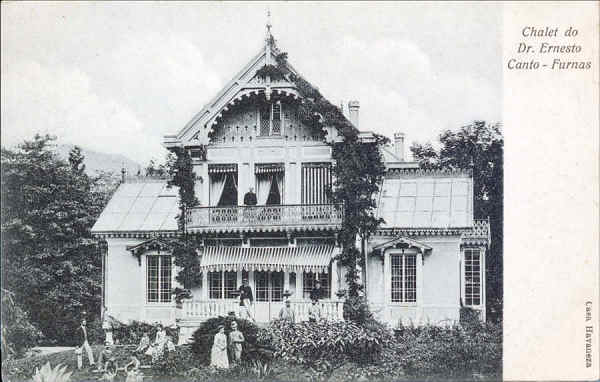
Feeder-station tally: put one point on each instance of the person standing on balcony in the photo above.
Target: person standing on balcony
(250, 197)
(246, 301)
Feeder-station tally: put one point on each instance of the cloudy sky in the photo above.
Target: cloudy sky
(116, 77)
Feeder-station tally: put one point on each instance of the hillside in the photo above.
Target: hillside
(96, 161)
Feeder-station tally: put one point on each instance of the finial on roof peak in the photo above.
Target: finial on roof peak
(269, 26)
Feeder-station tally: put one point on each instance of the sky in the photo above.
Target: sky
(116, 77)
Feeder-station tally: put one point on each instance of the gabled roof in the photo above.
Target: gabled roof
(244, 84)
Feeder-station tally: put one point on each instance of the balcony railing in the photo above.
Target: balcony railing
(239, 217)
(331, 310)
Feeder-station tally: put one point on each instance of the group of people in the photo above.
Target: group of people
(224, 348)
(107, 363)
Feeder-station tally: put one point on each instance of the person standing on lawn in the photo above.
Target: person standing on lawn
(246, 301)
(218, 353)
(82, 338)
(236, 339)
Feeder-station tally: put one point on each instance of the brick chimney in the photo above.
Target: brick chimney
(353, 107)
(399, 145)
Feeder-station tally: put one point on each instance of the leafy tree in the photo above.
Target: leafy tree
(76, 160)
(479, 147)
(49, 259)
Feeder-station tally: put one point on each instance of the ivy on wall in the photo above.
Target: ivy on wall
(184, 249)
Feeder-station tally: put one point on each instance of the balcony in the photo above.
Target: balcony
(283, 217)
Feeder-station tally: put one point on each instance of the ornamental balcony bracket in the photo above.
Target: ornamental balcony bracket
(272, 218)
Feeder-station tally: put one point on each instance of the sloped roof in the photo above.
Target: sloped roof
(426, 199)
(146, 205)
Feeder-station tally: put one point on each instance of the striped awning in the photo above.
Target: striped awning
(268, 168)
(222, 168)
(314, 259)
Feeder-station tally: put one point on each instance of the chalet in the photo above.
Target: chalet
(423, 264)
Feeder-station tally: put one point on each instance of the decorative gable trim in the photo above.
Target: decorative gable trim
(402, 243)
(155, 244)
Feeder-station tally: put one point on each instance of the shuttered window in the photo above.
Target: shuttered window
(316, 179)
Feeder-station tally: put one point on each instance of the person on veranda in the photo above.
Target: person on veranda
(287, 313)
(246, 301)
(316, 293)
(314, 312)
(218, 353)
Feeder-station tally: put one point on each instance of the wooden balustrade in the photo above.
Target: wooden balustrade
(260, 216)
(331, 310)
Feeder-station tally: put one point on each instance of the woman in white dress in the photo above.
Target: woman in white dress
(218, 353)
(156, 349)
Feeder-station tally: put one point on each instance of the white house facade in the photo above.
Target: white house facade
(426, 261)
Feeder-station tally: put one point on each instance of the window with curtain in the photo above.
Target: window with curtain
(404, 277)
(472, 277)
(309, 281)
(158, 278)
(316, 179)
(223, 186)
(270, 178)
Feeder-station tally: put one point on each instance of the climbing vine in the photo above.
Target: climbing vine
(358, 169)
(184, 249)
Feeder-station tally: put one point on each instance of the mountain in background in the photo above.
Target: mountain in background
(96, 161)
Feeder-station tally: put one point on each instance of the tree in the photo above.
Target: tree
(49, 259)
(480, 148)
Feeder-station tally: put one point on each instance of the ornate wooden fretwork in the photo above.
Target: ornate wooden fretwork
(265, 218)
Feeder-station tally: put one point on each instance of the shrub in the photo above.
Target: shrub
(324, 344)
(165, 363)
(453, 351)
(18, 333)
(49, 374)
(202, 339)
(356, 309)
